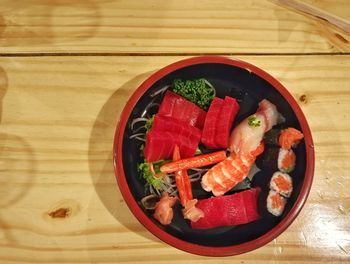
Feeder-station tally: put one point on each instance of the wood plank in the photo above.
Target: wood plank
(186, 27)
(58, 116)
(340, 8)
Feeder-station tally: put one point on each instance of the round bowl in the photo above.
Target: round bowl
(249, 84)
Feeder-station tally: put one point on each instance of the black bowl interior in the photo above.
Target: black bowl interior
(249, 89)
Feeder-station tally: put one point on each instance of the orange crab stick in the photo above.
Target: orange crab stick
(194, 162)
(182, 180)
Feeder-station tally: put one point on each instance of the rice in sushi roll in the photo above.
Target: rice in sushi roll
(286, 160)
(275, 203)
(281, 183)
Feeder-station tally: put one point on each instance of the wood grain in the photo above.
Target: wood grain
(59, 202)
(159, 27)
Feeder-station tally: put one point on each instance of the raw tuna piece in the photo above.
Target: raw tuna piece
(223, 127)
(209, 130)
(235, 209)
(175, 106)
(160, 145)
(170, 124)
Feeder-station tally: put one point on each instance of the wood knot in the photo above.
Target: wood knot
(60, 213)
(303, 98)
(62, 210)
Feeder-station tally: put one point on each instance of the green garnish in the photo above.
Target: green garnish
(197, 91)
(145, 170)
(253, 121)
(149, 123)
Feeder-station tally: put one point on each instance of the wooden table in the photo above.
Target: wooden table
(66, 71)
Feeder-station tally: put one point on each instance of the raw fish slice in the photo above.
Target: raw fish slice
(270, 113)
(228, 113)
(245, 138)
(234, 209)
(170, 124)
(177, 107)
(160, 145)
(209, 130)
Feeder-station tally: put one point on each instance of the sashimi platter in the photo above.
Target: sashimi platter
(213, 156)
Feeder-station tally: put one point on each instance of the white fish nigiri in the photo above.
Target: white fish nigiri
(247, 136)
(269, 111)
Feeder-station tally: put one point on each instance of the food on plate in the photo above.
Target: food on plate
(213, 115)
(269, 112)
(149, 202)
(218, 122)
(163, 211)
(289, 138)
(199, 91)
(165, 133)
(286, 160)
(228, 114)
(177, 107)
(271, 137)
(184, 188)
(191, 212)
(281, 183)
(247, 136)
(235, 209)
(191, 119)
(182, 180)
(150, 172)
(269, 158)
(225, 175)
(245, 146)
(281, 187)
(275, 203)
(194, 162)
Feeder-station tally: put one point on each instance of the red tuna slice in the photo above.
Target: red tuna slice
(175, 106)
(185, 136)
(170, 124)
(235, 209)
(252, 210)
(160, 145)
(228, 113)
(209, 130)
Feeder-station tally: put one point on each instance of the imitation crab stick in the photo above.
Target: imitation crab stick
(182, 180)
(194, 162)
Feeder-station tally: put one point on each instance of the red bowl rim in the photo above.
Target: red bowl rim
(184, 245)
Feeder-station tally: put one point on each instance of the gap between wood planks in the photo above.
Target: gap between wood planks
(120, 54)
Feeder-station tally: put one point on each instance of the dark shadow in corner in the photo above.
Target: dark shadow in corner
(101, 145)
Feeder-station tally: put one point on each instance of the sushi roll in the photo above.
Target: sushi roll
(286, 160)
(271, 137)
(289, 138)
(281, 183)
(275, 203)
(268, 160)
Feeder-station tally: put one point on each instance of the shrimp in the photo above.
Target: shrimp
(228, 173)
(245, 144)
